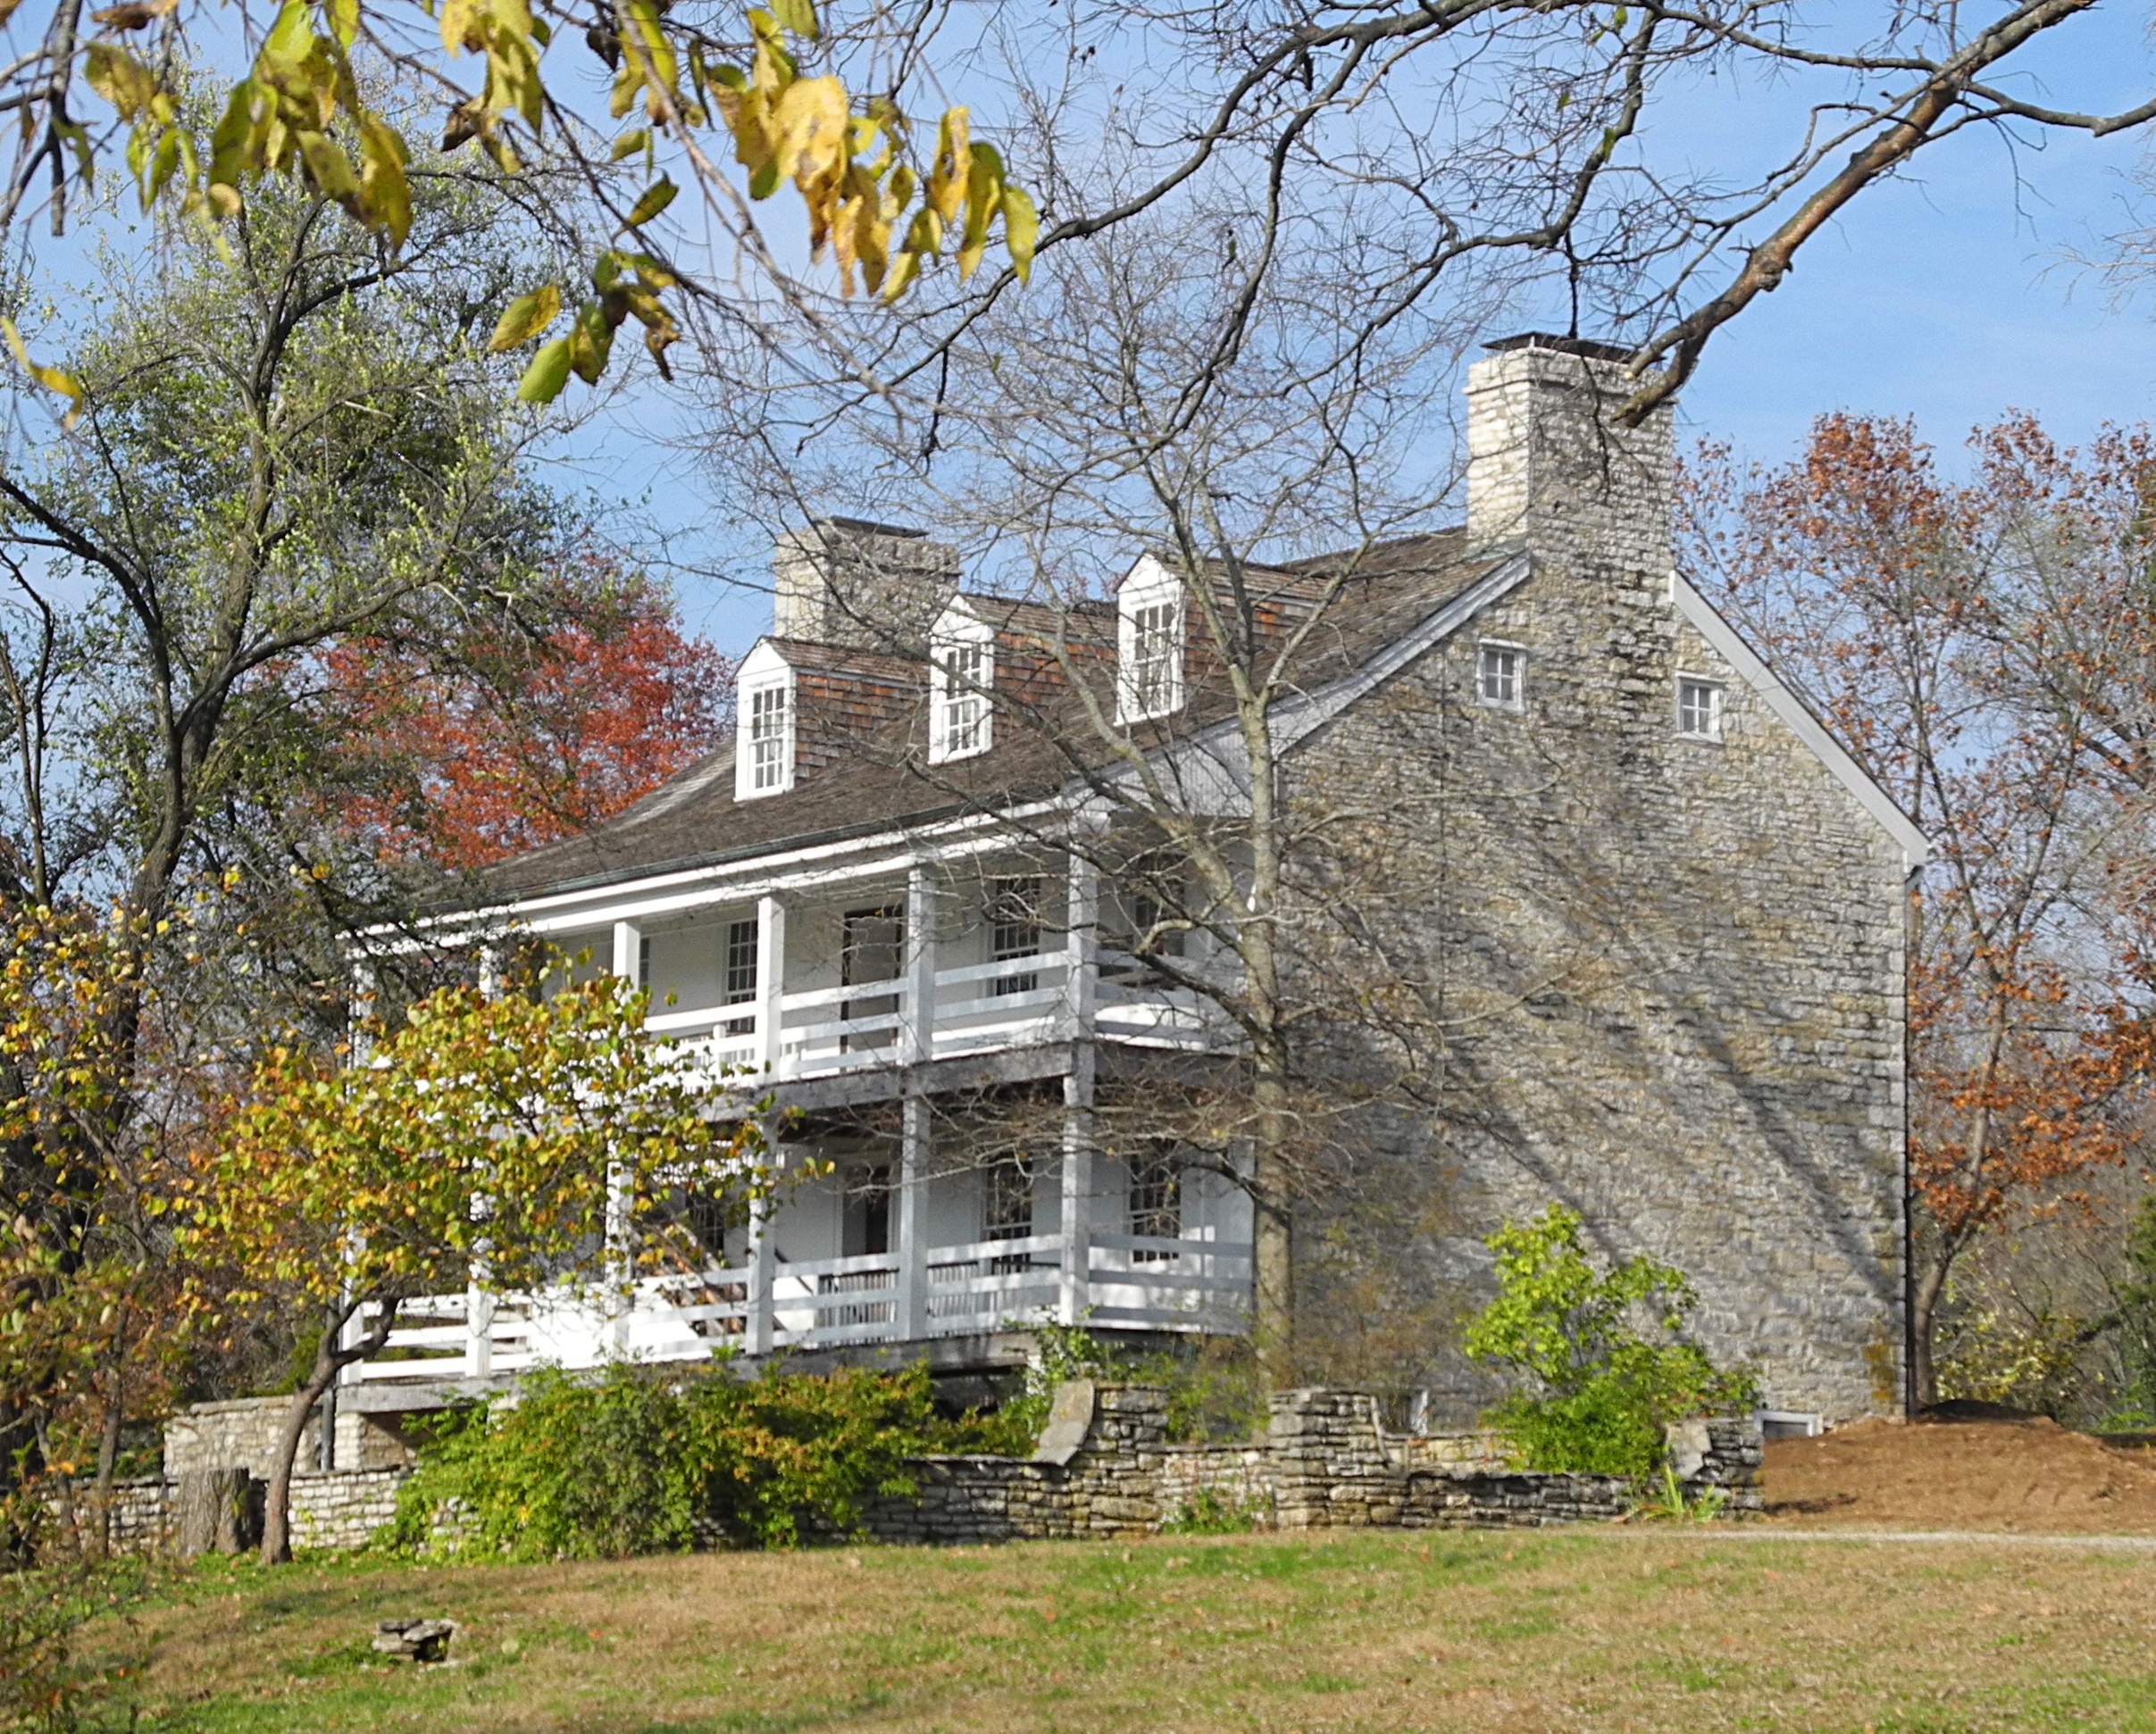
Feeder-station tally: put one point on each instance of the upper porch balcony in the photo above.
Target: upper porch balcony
(891, 969)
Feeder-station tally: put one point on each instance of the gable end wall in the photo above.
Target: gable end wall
(1670, 975)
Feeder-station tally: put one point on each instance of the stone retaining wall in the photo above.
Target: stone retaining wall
(1105, 1468)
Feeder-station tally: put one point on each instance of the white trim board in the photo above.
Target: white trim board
(1723, 637)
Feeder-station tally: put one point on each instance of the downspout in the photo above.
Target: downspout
(1908, 1170)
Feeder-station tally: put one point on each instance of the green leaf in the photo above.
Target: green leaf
(344, 22)
(549, 371)
(630, 143)
(799, 16)
(525, 318)
(653, 199)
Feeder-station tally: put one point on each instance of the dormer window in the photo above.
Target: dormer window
(1149, 642)
(764, 743)
(961, 671)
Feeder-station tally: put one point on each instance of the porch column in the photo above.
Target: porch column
(763, 1259)
(771, 980)
(629, 953)
(1082, 946)
(910, 1312)
(479, 1332)
(917, 1027)
(1077, 1287)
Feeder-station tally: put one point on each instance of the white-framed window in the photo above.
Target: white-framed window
(1014, 915)
(961, 723)
(763, 738)
(1698, 708)
(1149, 648)
(1500, 675)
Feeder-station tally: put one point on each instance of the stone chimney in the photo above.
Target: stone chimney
(868, 586)
(1551, 469)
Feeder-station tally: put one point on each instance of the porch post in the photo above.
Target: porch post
(763, 1260)
(771, 981)
(917, 1028)
(1081, 947)
(629, 953)
(479, 1331)
(910, 1313)
(1076, 1294)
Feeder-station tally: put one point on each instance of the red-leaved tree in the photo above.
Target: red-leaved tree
(1987, 651)
(523, 736)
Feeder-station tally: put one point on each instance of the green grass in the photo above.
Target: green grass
(1383, 1632)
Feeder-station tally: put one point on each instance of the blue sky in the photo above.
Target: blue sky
(1953, 296)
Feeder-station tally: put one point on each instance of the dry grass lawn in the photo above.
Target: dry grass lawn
(1676, 1629)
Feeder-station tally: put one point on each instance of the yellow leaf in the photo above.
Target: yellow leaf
(799, 16)
(653, 199)
(810, 121)
(630, 143)
(525, 318)
(344, 21)
(946, 177)
(117, 77)
(328, 165)
(1021, 229)
(384, 191)
(55, 380)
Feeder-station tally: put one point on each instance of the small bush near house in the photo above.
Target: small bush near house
(1600, 1391)
(637, 1460)
(1213, 1389)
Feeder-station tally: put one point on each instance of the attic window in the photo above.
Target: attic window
(764, 749)
(961, 723)
(1698, 708)
(1500, 675)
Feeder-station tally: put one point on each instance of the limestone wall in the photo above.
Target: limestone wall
(1663, 978)
(1105, 1469)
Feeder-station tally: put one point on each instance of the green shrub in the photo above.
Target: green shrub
(1213, 1389)
(636, 1459)
(1600, 1392)
(49, 1681)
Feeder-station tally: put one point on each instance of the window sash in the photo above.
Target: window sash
(1498, 675)
(963, 672)
(1155, 643)
(743, 943)
(767, 737)
(1700, 709)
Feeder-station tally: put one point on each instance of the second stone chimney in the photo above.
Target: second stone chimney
(867, 587)
(1550, 467)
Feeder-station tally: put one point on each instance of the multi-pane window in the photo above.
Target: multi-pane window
(1014, 914)
(1006, 1210)
(740, 973)
(964, 670)
(1500, 675)
(1698, 708)
(1156, 1200)
(770, 740)
(1156, 648)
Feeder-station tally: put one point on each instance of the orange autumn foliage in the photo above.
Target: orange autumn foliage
(526, 742)
(1985, 649)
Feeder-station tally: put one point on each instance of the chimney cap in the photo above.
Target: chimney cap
(868, 527)
(1588, 346)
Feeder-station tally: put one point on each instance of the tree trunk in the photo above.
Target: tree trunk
(1273, 1256)
(1930, 1289)
(329, 1359)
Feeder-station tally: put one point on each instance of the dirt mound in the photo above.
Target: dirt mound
(2029, 1474)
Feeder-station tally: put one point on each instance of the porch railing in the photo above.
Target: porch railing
(1132, 1281)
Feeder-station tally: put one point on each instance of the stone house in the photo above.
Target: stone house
(1654, 920)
